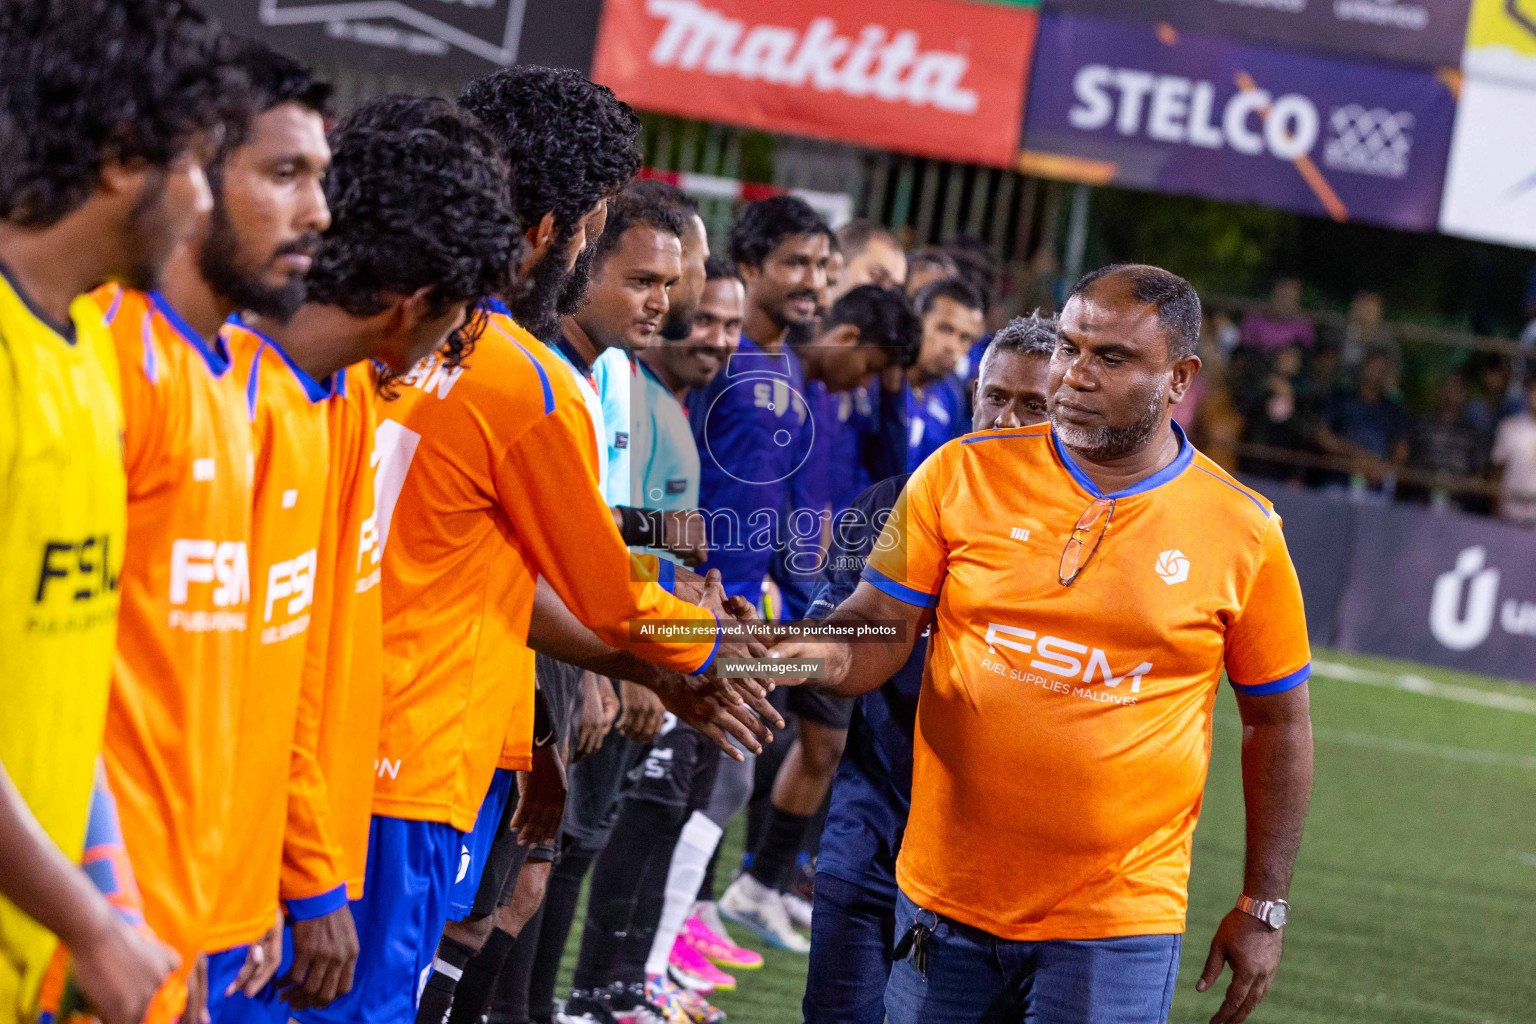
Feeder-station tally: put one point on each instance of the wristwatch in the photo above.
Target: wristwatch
(1272, 912)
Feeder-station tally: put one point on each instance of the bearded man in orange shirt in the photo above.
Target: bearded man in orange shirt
(1088, 581)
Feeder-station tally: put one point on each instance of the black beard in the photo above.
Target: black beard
(537, 310)
(215, 261)
(1106, 443)
(573, 291)
(676, 326)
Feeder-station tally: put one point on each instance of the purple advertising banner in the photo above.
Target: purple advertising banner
(1417, 31)
(1151, 107)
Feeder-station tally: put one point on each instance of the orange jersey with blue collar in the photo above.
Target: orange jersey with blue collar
(1064, 732)
(179, 675)
(288, 413)
(342, 693)
(486, 482)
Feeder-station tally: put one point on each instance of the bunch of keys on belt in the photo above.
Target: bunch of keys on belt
(915, 942)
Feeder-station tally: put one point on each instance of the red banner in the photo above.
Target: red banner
(941, 78)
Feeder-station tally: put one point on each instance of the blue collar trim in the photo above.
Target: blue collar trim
(315, 390)
(1180, 462)
(216, 358)
(497, 306)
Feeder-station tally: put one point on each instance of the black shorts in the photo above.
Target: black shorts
(505, 863)
(822, 708)
(591, 806)
(678, 770)
(560, 685)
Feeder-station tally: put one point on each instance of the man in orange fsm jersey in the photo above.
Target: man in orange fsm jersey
(476, 501)
(1089, 581)
(422, 230)
(180, 709)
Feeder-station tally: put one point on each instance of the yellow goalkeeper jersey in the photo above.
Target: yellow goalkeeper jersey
(62, 530)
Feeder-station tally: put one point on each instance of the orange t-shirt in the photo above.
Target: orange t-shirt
(288, 415)
(339, 704)
(486, 483)
(1063, 733)
(179, 677)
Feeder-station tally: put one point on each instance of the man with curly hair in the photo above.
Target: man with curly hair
(179, 681)
(422, 231)
(493, 474)
(107, 108)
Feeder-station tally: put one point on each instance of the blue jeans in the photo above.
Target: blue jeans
(976, 978)
(852, 935)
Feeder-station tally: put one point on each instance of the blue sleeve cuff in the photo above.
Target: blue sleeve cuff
(311, 907)
(1280, 685)
(900, 592)
(666, 574)
(712, 651)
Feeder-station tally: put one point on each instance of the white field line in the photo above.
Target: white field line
(1428, 687)
(1414, 748)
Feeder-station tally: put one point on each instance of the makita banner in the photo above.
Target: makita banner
(940, 78)
(1152, 107)
(1418, 31)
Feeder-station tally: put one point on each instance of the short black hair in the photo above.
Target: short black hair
(272, 79)
(424, 206)
(884, 318)
(716, 268)
(1032, 335)
(953, 288)
(1175, 299)
(630, 208)
(570, 142)
(932, 257)
(87, 82)
(975, 265)
(765, 224)
(665, 192)
(855, 236)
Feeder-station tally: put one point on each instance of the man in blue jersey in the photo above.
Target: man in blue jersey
(753, 427)
(852, 932)
(953, 318)
(865, 331)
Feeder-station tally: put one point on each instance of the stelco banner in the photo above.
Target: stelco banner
(1418, 31)
(940, 78)
(1155, 108)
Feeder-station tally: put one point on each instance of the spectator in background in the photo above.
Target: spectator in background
(1282, 323)
(1365, 333)
(873, 257)
(1275, 410)
(1514, 453)
(1447, 441)
(953, 318)
(1366, 424)
(1492, 403)
(925, 266)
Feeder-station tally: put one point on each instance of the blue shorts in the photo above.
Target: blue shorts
(411, 868)
(266, 1008)
(475, 849)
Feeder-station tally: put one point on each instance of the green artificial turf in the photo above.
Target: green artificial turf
(1415, 893)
